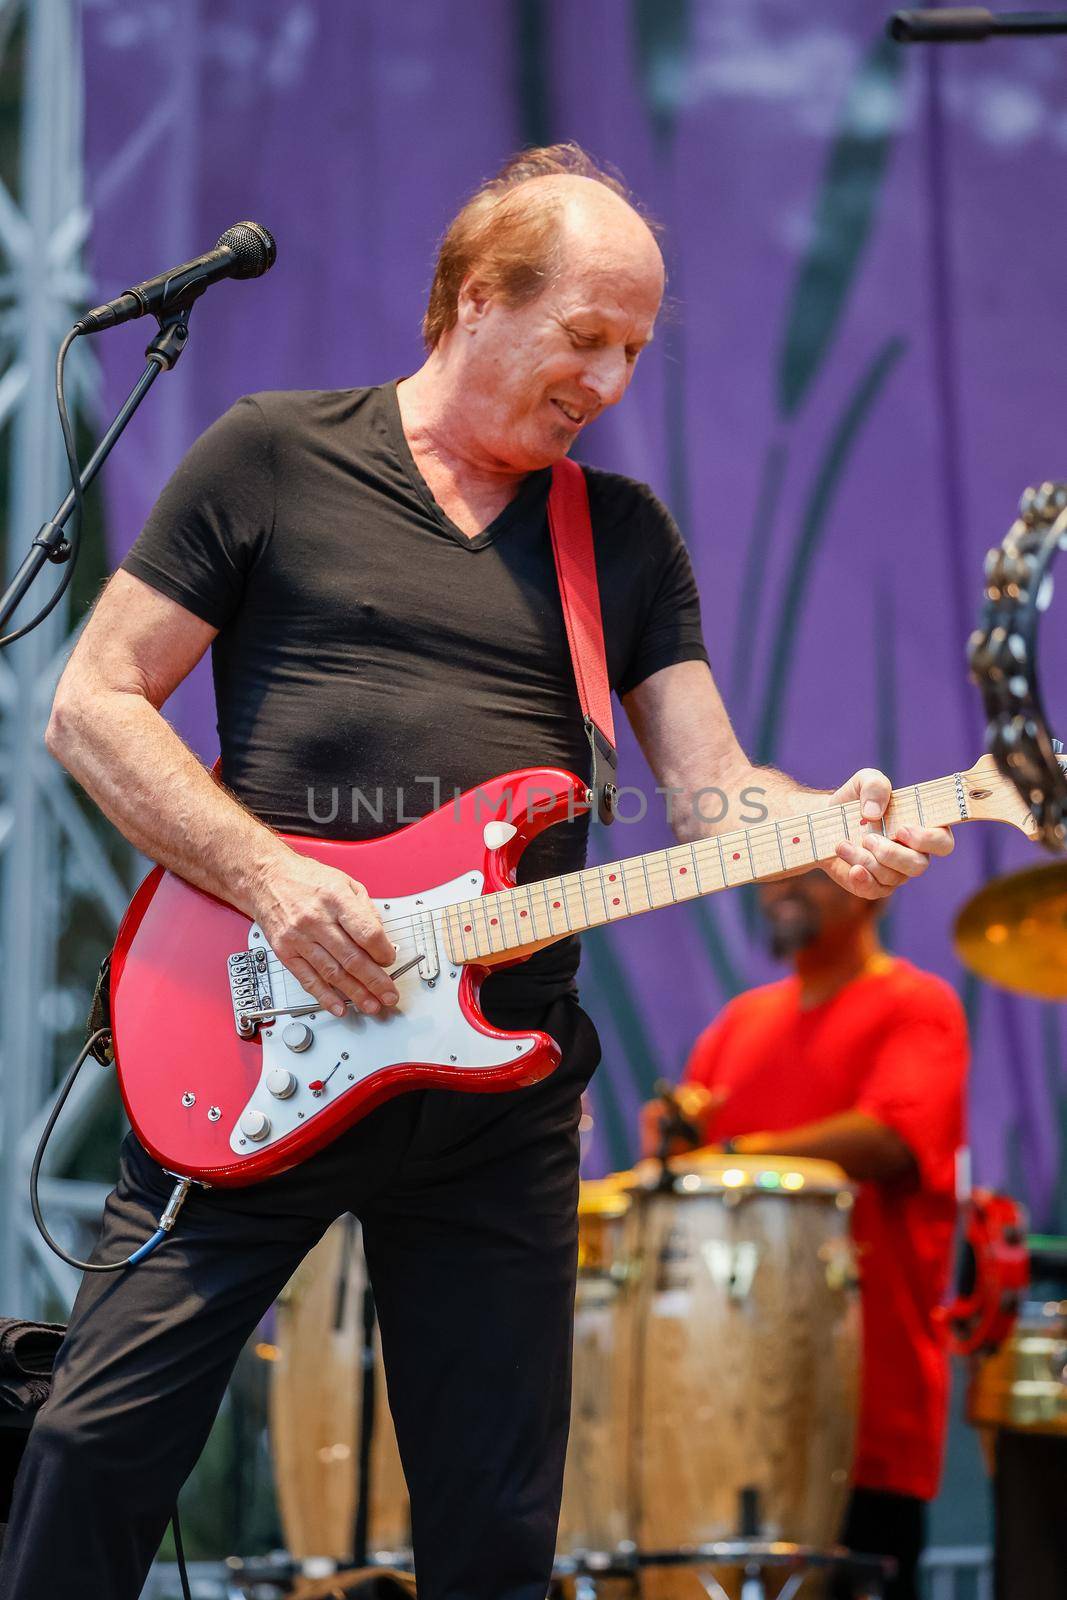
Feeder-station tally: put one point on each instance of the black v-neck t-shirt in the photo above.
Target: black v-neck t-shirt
(371, 659)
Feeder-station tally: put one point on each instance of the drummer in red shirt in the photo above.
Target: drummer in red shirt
(860, 1058)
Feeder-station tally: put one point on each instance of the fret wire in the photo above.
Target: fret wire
(485, 919)
(585, 902)
(748, 846)
(722, 861)
(778, 838)
(696, 866)
(625, 890)
(811, 835)
(919, 806)
(648, 882)
(548, 904)
(529, 905)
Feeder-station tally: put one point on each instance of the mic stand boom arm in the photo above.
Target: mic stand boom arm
(970, 24)
(50, 543)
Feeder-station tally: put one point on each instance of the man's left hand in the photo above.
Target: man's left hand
(875, 868)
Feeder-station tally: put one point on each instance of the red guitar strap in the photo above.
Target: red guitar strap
(572, 546)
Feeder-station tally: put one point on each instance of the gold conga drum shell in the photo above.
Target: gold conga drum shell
(1021, 1385)
(748, 1350)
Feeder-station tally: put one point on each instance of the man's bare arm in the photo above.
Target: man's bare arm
(863, 1147)
(866, 1149)
(107, 729)
(683, 728)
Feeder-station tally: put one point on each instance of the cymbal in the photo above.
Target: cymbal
(1013, 932)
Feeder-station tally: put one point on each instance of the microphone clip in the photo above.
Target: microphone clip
(167, 345)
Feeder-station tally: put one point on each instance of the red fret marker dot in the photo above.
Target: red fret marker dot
(682, 871)
(737, 855)
(492, 922)
(795, 840)
(615, 902)
(466, 927)
(522, 913)
(555, 905)
(611, 877)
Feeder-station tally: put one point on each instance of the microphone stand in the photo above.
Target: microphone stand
(970, 24)
(674, 1125)
(50, 544)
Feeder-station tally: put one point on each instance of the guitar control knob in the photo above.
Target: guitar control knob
(254, 1125)
(281, 1082)
(297, 1037)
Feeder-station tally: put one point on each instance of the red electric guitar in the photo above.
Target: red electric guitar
(230, 1071)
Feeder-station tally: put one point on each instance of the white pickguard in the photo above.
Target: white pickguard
(427, 1025)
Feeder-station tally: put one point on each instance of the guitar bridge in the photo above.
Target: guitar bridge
(250, 990)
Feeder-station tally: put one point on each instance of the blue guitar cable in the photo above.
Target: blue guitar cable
(166, 1221)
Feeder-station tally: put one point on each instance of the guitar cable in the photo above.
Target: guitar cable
(170, 1212)
(166, 1222)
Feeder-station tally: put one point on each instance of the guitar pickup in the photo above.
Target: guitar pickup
(250, 990)
(422, 931)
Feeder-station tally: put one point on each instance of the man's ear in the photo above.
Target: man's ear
(472, 302)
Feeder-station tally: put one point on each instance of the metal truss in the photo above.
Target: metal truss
(49, 849)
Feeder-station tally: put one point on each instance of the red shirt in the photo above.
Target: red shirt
(892, 1043)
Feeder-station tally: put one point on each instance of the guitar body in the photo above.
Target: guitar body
(230, 1109)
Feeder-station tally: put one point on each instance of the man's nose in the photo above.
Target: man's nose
(606, 374)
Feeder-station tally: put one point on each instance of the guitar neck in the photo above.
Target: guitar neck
(511, 921)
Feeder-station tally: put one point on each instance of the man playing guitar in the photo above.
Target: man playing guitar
(372, 571)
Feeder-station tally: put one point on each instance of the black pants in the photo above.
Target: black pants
(879, 1523)
(468, 1205)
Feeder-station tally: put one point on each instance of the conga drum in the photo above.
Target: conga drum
(746, 1341)
(315, 1402)
(595, 1514)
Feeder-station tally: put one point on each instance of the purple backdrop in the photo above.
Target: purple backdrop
(860, 373)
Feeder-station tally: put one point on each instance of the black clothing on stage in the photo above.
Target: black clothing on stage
(372, 659)
(468, 1204)
(880, 1523)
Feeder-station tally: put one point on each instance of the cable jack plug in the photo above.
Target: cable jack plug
(175, 1203)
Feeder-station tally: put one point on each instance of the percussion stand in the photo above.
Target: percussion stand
(759, 1559)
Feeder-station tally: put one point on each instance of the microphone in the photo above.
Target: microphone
(245, 251)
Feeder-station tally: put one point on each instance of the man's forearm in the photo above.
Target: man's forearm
(130, 761)
(865, 1148)
(743, 797)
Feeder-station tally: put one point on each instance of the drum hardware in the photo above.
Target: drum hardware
(759, 1561)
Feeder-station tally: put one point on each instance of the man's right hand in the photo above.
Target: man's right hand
(322, 925)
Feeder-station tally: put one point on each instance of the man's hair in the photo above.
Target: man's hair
(511, 239)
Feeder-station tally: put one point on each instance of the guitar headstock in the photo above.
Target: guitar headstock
(993, 797)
